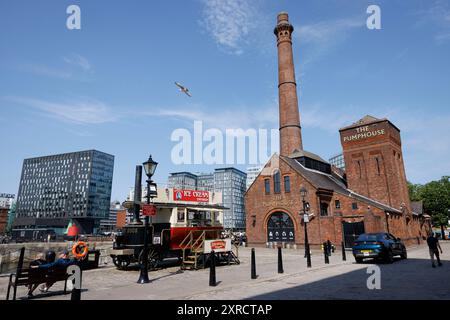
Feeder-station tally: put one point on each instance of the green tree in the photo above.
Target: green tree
(414, 191)
(436, 201)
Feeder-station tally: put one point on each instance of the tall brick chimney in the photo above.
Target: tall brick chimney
(290, 130)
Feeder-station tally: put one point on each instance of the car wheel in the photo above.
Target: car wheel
(404, 255)
(389, 256)
(358, 260)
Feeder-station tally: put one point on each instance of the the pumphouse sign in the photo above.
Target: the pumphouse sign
(363, 133)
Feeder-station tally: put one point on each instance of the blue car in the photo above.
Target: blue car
(378, 246)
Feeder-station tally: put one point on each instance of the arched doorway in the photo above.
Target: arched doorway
(280, 228)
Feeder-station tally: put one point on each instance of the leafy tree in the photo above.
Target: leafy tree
(436, 201)
(414, 191)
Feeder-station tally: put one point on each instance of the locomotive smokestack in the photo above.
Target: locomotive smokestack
(290, 130)
(137, 194)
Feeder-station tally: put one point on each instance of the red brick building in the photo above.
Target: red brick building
(3, 219)
(370, 196)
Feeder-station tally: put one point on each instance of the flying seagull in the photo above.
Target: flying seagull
(183, 89)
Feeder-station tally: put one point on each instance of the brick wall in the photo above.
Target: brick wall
(3, 219)
(321, 228)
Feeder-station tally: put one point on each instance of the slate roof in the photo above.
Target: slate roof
(366, 120)
(304, 153)
(417, 207)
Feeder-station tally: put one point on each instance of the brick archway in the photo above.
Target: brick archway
(288, 215)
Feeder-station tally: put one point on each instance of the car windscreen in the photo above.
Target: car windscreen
(369, 237)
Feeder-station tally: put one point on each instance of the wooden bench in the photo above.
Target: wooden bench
(26, 277)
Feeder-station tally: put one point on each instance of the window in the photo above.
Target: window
(360, 169)
(378, 165)
(180, 215)
(355, 206)
(267, 186)
(337, 204)
(287, 184)
(323, 209)
(276, 182)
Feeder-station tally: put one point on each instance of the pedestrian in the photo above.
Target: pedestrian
(434, 247)
(329, 247)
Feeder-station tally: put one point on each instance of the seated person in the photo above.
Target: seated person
(33, 272)
(59, 265)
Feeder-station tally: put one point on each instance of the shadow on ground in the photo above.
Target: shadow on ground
(404, 279)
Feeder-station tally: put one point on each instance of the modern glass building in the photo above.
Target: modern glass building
(182, 180)
(232, 183)
(338, 161)
(252, 174)
(205, 181)
(56, 189)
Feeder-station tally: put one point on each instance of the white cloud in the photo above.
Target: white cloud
(78, 60)
(230, 22)
(45, 71)
(327, 34)
(84, 112)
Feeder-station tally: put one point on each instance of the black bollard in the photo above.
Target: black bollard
(325, 252)
(344, 258)
(253, 264)
(76, 295)
(212, 269)
(280, 261)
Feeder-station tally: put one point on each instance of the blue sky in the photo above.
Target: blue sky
(110, 85)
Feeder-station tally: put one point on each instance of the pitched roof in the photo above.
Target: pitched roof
(417, 207)
(366, 120)
(333, 182)
(304, 153)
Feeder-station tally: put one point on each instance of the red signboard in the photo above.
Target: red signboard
(190, 195)
(217, 245)
(149, 210)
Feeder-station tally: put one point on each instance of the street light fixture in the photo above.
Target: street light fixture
(303, 194)
(150, 168)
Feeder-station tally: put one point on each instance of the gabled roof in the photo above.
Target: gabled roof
(331, 182)
(366, 120)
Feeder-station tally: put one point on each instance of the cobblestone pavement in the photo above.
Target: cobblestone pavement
(413, 278)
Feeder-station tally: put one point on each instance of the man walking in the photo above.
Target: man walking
(433, 246)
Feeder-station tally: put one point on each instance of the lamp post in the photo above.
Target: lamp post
(303, 194)
(149, 167)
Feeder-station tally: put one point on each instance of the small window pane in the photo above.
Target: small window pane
(287, 184)
(267, 186)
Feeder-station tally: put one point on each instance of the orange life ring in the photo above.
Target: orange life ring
(80, 250)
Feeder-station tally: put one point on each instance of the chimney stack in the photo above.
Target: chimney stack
(290, 130)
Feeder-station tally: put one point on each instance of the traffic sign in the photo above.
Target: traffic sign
(149, 210)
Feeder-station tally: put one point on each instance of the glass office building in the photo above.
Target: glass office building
(338, 161)
(56, 189)
(232, 183)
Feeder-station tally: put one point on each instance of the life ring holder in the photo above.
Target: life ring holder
(80, 250)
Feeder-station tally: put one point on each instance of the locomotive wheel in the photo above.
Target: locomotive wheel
(152, 260)
(121, 262)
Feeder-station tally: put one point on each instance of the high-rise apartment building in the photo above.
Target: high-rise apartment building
(59, 188)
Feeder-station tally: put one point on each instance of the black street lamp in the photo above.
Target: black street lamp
(150, 168)
(303, 194)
